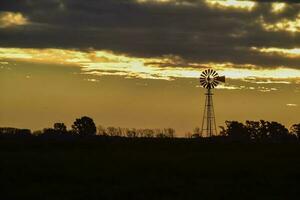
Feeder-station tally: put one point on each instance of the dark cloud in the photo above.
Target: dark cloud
(188, 28)
(277, 1)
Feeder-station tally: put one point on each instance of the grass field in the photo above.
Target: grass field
(110, 168)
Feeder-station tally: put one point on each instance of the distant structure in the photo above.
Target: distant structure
(209, 79)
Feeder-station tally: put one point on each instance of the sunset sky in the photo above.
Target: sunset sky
(136, 63)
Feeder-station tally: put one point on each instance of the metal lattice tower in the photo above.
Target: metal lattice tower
(208, 127)
(209, 79)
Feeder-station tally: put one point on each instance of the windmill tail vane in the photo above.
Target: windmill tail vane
(209, 79)
(221, 79)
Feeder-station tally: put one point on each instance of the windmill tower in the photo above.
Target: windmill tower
(209, 79)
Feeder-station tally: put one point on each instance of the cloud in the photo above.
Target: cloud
(278, 7)
(293, 53)
(266, 89)
(248, 5)
(283, 25)
(229, 87)
(291, 105)
(196, 31)
(10, 19)
(92, 80)
(267, 81)
(278, 1)
(95, 62)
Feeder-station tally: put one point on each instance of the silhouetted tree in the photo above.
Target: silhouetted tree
(37, 132)
(8, 130)
(14, 132)
(60, 128)
(188, 135)
(49, 131)
(101, 130)
(159, 133)
(169, 132)
(295, 129)
(112, 131)
(259, 131)
(223, 131)
(140, 132)
(268, 131)
(23, 132)
(121, 131)
(277, 132)
(131, 132)
(253, 129)
(84, 126)
(148, 133)
(197, 132)
(71, 132)
(236, 131)
(263, 131)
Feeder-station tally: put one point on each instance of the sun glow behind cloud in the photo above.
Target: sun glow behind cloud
(248, 5)
(278, 7)
(221, 4)
(291, 104)
(292, 26)
(155, 1)
(108, 63)
(172, 2)
(292, 53)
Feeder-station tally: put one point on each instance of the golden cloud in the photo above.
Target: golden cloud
(282, 25)
(222, 4)
(291, 53)
(278, 7)
(291, 104)
(173, 2)
(248, 5)
(108, 63)
(9, 19)
(154, 1)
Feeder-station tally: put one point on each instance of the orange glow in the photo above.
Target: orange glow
(295, 52)
(248, 5)
(282, 25)
(108, 63)
(278, 7)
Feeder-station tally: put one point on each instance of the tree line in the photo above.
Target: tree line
(260, 131)
(255, 131)
(85, 127)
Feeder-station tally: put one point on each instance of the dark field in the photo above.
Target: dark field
(108, 168)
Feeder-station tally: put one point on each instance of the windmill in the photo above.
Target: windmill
(209, 79)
